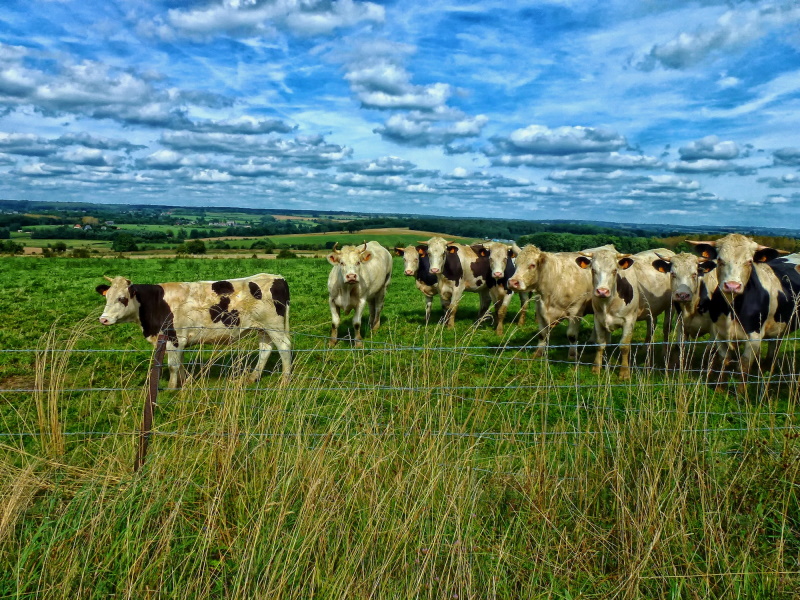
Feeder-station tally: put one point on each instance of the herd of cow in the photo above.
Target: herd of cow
(733, 289)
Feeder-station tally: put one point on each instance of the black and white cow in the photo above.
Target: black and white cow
(199, 312)
(417, 265)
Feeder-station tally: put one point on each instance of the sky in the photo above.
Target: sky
(654, 111)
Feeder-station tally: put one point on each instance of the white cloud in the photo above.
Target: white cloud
(424, 129)
(538, 139)
(709, 147)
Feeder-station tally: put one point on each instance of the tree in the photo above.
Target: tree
(195, 247)
(124, 242)
(60, 247)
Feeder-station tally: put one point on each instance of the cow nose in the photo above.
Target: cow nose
(409, 272)
(498, 274)
(434, 269)
(682, 296)
(514, 283)
(732, 286)
(104, 321)
(352, 278)
(602, 292)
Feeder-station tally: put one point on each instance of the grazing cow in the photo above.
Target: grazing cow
(205, 312)
(360, 275)
(460, 269)
(692, 281)
(626, 289)
(501, 268)
(756, 297)
(416, 264)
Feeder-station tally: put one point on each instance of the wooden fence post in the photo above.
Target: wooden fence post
(152, 394)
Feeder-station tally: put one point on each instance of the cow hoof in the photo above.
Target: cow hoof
(596, 370)
(539, 353)
(625, 375)
(359, 344)
(332, 343)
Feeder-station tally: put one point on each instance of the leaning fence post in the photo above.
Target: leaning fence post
(152, 394)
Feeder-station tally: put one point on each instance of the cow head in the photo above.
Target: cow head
(685, 271)
(436, 249)
(735, 254)
(122, 305)
(410, 256)
(349, 259)
(498, 254)
(605, 265)
(529, 261)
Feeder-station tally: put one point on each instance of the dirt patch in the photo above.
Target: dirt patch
(18, 382)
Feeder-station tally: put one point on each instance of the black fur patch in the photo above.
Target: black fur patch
(750, 308)
(280, 296)
(790, 290)
(220, 313)
(704, 305)
(102, 289)
(155, 315)
(481, 270)
(624, 289)
(255, 290)
(222, 287)
(452, 267)
(423, 272)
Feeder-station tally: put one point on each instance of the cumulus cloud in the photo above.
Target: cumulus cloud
(43, 170)
(733, 30)
(561, 141)
(100, 143)
(423, 129)
(86, 156)
(598, 161)
(788, 180)
(386, 165)
(26, 144)
(787, 156)
(707, 165)
(709, 147)
(263, 17)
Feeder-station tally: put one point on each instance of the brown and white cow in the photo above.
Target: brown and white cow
(360, 276)
(626, 289)
(501, 268)
(416, 265)
(200, 312)
(692, 281)
(460, 269)
(756, 297)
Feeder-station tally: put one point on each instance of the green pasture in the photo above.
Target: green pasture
(429, 464)
(391, 239)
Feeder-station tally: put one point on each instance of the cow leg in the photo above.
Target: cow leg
(375, 309)
(752, 350)
(362, 303)
(524, 300)
(486, 303)
(502, 309)
(177, 374)
(543, 323)
(602, 338)
(676, 355)
(264, 350)
(573, 327)
(335, 320)
(450, 314)
(625, 349)
(283, 342)
(428, 301)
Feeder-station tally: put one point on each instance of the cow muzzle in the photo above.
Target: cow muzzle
(497, 274)
(434, 270)
(602, 292)
(681, 296)
(352, 278)
(732, 287)
(105, 320)
(514, 283)
(409, 272)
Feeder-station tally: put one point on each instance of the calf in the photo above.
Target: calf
(416, 264)
(626, 289)
(756, 297)
(360, 275)
(460, 269)
(204, 312)
(692, 281)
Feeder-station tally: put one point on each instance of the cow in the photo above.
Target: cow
(199, 312)
(756, 297)
(625, 289)
(360, 275)
(692, 281)
(459, 268)
(501, 268)
(416, 264)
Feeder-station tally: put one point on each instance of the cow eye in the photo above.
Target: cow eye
(533, 266)
(121, 300)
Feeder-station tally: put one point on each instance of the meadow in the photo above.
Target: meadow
(429, 464)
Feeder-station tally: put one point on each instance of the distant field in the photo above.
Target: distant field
(387, 237)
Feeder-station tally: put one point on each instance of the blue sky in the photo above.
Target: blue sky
(653, 112)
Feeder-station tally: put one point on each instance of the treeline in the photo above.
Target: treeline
(70, 233)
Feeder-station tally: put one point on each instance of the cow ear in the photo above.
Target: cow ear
(399, 251)
(366, 256)
(704, 249)
(662, 266)
(102, 289)
(422, 251)
(131, 291)
(333, 258)
(452, 250)
(584, 262)
(625, 262)
(706, 266)
(766, 254)
(511, 253)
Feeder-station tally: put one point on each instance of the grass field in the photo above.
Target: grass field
(430, 464)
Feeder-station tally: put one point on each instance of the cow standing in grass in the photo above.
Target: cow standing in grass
(499, 270)
(416, 264)
(360, 276)
(692, 281)
(203, 312)
(626, 289)
(756, 298)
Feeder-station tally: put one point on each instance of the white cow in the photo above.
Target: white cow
(360, 275)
